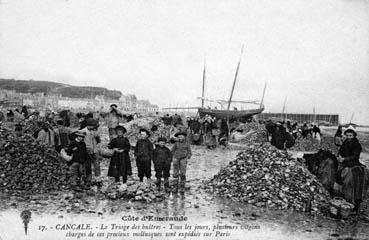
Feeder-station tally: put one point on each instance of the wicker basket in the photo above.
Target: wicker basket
(215, 132)
(65, 156)
(339, 208)
(196, 136)
(106, 152)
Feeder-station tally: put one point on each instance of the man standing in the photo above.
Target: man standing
(62, 135)
(91, 140)
(144, 155)
(181, 151)
(113, 120)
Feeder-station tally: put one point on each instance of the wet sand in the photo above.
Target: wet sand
(200, 208)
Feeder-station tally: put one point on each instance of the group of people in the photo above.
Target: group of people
(81, 148)
(283, 134)
(207, 130)
(145, 153)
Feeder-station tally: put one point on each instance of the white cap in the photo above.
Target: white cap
(351, 128)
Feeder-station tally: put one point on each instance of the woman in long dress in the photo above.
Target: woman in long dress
(120, 164)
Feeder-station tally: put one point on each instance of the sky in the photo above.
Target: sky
(311, 53)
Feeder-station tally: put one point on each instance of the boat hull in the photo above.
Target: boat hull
(233, 114)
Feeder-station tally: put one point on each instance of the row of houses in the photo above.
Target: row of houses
(128, 103)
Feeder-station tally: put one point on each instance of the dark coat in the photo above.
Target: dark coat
(316, 129)
(162, 155)
(207, 127)
(167, 120)
(281, 138)
(350, 151)
(144, 150)
(79, 151)
(195, 126)
(120, 163)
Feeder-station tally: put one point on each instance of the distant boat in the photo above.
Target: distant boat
(346, 125)
(232, 114)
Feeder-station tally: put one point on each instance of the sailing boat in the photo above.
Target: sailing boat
(227, 114)
(232, 114)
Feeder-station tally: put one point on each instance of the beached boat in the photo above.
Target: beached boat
(226, 114)
(232, 114)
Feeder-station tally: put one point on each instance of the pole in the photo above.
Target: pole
(203, 85)
(284, 108)
(262, 98)
(234, 83)
(352, 116)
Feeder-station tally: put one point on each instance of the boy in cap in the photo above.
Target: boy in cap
(181, 151)
(78, 150)
(144, 155)
(92, 139)
(162, 159)
(120, 164)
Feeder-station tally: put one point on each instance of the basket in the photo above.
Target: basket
(196, 136)
(65, 156)
(106, 152)
(215, 132)
(340, 208)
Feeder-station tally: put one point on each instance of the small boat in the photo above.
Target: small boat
(232, 114)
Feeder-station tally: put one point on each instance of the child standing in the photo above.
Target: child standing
(181, 151)
(144, 154)
(77, 149)
(162, 159)
(120, 164)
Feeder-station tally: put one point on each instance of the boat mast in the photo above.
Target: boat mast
(203, 85)
(262, 98)
(284, 109)
(352, 116)
(234, 83)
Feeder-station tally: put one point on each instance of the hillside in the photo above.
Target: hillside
(46, 87)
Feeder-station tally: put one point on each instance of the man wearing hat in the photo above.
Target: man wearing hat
(77, 149)
(181, 151)
(92, 139)
(144, 155)
(348, 155)
(162, 160)
(113, 120)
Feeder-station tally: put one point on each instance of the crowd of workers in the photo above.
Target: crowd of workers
(81, 146)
